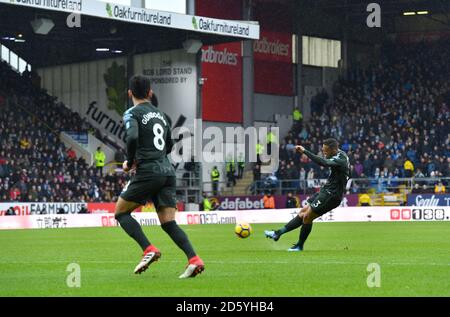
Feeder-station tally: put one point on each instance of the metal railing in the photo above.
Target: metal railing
(188, 184)
(354, 185)
(223, 189)
(188, 187)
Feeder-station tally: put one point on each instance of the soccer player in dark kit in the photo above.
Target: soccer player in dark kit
(328, 198)
(148, 140)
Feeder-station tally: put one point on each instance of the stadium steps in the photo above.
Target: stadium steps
(242, 184)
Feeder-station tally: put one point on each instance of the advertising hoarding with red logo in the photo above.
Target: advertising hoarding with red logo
(340, 214)
(222, 88)
(222, 67)
(256, 202)
(273, 47)
(22, 209)
(274, 71)
(428, 213)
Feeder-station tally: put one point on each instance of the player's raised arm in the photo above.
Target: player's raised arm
(131, 136)
(334, 159)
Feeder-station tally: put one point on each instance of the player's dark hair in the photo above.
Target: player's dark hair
(331, 143)
(140, 86)
(154, 100)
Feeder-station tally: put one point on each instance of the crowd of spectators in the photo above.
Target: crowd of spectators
(35, 166)
(392, 119)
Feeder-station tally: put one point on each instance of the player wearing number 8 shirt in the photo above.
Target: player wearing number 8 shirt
(148, 140)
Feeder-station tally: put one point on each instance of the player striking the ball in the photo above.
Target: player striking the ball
(328, 198)
(148, 140)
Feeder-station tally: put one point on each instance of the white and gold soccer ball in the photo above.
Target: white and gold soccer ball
(243, 230)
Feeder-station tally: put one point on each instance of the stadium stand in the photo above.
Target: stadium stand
(391, 118)
(34, 165)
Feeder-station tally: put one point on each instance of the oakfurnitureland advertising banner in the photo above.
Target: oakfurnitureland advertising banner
(248, 30)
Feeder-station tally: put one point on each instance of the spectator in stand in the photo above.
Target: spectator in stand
(416, 189)
(269, 201)
(302, 178)
(100, 158)
(14, 194)
(364, 200)
(241, 165)
(419, 174)
(230, 168)
(439, 188)
(297, 118)
(310, 179)
(257, 172)
(291, 202)
(206, 203)
(215, 176)
(409, 168)
(71, 155)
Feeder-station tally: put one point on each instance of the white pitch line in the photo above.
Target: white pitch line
(239, 262)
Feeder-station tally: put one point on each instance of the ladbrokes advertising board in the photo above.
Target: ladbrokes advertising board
(222, 89)
(273, 64)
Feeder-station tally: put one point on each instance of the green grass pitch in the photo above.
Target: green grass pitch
(414, 260)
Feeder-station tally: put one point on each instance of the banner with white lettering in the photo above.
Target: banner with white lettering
(348, 214)
(274, 71)
(425, 200)
(222, 67)
(173, 78)
(274, 47)
(222, 88)
(24, 209)
(165, 19)
(256, 202)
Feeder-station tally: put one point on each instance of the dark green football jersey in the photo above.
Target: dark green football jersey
(340, 171)
(148, 138)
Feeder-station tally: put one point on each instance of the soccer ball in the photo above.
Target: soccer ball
(243, 230)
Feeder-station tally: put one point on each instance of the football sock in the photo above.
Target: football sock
(134, 230)
(291, 225)
(304, 233)
(179, 237)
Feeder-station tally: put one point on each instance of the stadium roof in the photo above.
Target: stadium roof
(64, 45)
(388, 7)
